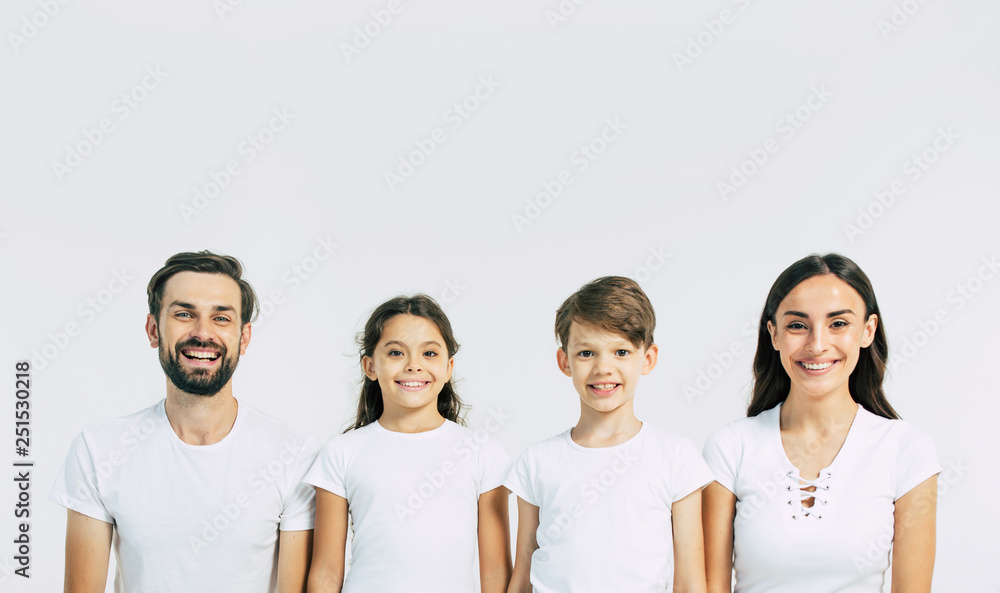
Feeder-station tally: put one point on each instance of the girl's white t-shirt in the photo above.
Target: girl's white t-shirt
(413, 500)
(604, 514)
(842, 542)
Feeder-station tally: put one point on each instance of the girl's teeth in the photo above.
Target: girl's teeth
(817, 367)
(412, 383)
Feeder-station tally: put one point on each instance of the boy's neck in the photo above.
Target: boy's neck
(605, 429)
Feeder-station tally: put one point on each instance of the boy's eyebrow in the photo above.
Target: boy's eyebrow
(831, 314)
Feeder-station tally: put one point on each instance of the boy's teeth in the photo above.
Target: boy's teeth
(604, 386)
(817, 367)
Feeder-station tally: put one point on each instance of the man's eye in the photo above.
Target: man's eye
(183, 314)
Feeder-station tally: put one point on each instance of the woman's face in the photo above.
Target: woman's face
(819, 331)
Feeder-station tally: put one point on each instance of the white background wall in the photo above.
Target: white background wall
(648, 206)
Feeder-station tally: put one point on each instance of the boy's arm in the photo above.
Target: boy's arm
(913, 540)
(88, 551)
(494, 541)
(326, 574)
(718, 513)
(294, 550)
(527, 525)
(689, 545)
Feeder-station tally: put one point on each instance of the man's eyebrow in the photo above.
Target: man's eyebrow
(186, 305)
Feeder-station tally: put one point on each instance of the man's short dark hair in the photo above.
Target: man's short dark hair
(204, 262)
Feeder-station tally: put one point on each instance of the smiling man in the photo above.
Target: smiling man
(197, 492)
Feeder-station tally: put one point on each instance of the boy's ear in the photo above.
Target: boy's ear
(562, 359)
(649, 358)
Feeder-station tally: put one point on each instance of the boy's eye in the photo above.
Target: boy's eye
(585, 353)
(621, 352)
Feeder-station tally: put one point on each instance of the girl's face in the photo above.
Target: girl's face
(411, 365)
(819, 331)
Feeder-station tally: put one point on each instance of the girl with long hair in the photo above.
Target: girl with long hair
(420, 491)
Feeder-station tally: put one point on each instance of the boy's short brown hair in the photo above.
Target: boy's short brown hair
(614, 304)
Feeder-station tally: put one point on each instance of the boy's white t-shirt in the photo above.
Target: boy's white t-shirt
(413, 500)
(604, 521)
(187, 517)
(842, 542)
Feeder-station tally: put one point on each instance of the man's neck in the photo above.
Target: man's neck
(201, 419)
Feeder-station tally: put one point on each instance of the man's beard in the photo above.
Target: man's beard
(198, 381)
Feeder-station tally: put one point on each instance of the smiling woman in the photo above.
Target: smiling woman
(810, 483)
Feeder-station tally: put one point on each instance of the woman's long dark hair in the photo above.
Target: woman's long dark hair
(370, 405)
(770, 381)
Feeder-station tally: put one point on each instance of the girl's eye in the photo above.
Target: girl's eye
(395, 353)
(430, 354)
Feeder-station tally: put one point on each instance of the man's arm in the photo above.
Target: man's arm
(494, 541)
(294, 552)
(527, 526)
(326, 574)
(718, 514)
(88, 551)
(689, 544)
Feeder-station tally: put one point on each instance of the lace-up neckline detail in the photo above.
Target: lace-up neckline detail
(819, 496)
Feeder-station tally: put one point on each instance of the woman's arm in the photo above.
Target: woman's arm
(494, 541)
(527, 525)
(689, 545)
(326, 574)
(913, 541)
(718, 513)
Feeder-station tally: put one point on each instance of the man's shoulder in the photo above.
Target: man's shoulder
(267, 431)
(147, 418)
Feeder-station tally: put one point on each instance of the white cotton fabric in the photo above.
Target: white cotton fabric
(842, 545)
(413, 500)
(604, 518)
(191, 518)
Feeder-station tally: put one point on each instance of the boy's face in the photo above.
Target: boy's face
(605, 367)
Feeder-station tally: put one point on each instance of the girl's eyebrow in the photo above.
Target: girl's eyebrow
(398, 343)
(831, 314)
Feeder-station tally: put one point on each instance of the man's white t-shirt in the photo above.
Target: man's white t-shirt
(604, 514)
(842, 542)
(191, 518)
(413, 500)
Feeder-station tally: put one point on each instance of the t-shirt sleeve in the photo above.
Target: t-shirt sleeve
(329, 471)
(916, 459)
(494, 463)
(722, 452)
(520, 479)
(299, 511)
(689, 471)
(76, 485)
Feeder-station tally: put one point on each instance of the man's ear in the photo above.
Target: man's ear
(244, 338)
(152, 331)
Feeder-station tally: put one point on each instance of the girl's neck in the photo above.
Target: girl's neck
(410, 422)
(605, 429)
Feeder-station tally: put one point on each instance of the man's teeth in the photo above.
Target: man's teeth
(412, 383)
(203, 355)
(817, 367)
(605, 386)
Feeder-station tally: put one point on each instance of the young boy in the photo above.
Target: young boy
(611, 504)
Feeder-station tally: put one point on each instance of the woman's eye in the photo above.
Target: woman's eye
(796, 325)
(840, 323)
